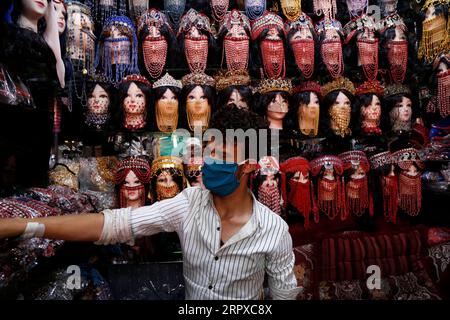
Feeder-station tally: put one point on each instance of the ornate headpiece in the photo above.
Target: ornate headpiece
(303, 21)
(198, 78)
(82, 32)
(236, 47)
(357, 7)
(105, 9)
(433, 3)
(255, 8)
(264, 22)
(405, 157)
(139, 165)
(295, 164)
(268, 165)
(167, 81)
(235, 17)
(381, 159)
(327, 161)
(328, 8)
(118, 51)
(152, 17)
(326, 24)
(271, 85)
(391, 21)
(167, 162)
(388, 7)
(355, 158)
(308, 86)
(374, 87)
(361, 23)
(395, 89)
(174, 9)
(292, 9)
(98, 78)
(219, 9)
(136, 78)
(137, 8)
(340, 83)
(224, 79)
(194, 19)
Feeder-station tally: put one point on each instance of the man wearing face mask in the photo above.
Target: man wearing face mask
(230, 241)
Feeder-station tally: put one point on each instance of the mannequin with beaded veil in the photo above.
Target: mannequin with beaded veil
(134, 98)
(167, 95)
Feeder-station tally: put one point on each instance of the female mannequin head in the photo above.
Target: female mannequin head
(134, 97)
(368, 105)
(167, 178)
(195, 38)
(26, 13)
(302, 40)
(100, 99)
(337, 108)
(61, 15)
(198, 96)
(167, 94)
(132, 181)
(233, 88)
(235, 32)
(269, 34)
(400, 110)
(117, 48)
(155, 37)
(305, 110)
(273, 101)
(330, 37)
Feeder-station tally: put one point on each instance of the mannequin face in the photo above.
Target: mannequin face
(194, 32)
(98, 101)
(169, 101)
(372, 112)
(311, 110)
(61, 16)
(277, 108)
(329, 173)
(154, 32)
(332, 34)
(442, 67)
(358, 173)
(165, 179)
(270, 180)
(431, 13)
(412, 170)
(300, 177)
(34, 9)
(238, 100)
(342, 103)
(366, 35)
(134, 102)
(272, 33)
(402, 111)
(132, 181)
(237, 31)
(302, 33)
(399, 34)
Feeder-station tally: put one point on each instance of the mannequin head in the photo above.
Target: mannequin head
(306, 107)
(26, 13)
(98, 110)
(132, 182)
(274, 106)
(167, 103)
(134, 97)
(337, 113)
(330, 37)
(241, 96)
(401, 113)
(167, 178)
(155, 37)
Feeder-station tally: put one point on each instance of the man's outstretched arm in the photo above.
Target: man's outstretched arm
(83, 227)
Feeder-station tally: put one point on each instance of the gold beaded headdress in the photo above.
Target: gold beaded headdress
(167, 162)
(340, 83)
(395, 89)
(271, 85)
(198, 78)
(224, 79)
(374, 87)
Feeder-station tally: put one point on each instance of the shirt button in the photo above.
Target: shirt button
(210, 287)
(216, 258)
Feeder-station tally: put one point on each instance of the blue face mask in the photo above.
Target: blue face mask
(220, 178)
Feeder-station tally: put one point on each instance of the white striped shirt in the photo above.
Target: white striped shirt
(235, 270)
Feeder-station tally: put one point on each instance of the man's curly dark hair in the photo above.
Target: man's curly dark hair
(231, 117)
